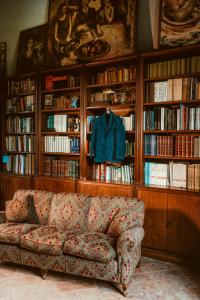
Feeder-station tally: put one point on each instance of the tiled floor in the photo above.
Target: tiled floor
(154, 280)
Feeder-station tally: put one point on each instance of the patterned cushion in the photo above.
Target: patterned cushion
(102, 211)
(96, 246)
(69, 211)
(46, 239)
(124, 220)
(37, 205)
(10, 232)
(17, 210)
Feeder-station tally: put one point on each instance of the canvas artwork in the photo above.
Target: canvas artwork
(89, 30)
(179, 22)
(31, 50)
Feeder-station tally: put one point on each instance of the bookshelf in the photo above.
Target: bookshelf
(60, 102)
(162, 133)
(20, 126)
(111, 87)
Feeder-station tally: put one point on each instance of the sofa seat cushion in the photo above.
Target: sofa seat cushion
(11, 233)
(46, 239)
(91, 245)
(70, 211)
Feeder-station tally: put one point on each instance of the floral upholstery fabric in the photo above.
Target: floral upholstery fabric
(69, 211)
(126, 219)
(102, 211)
(90, 268)
(46, 239)
(129, 252)
(2, 217)
(39, 203)
(43, 261)
(17, 210)
(96, 246)
(10, 253)
(11, 233)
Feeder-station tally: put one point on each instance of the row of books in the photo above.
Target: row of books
(180, 175)
(178, 146)
(164, 118)
(114, 75)
(173, 67)
(114, 96)
(61, 168)
(128, 121)
(61, 102)
(60, 82)
(23, 164)
(63, 123)
(25, 143)
(16, 87)
(107, 173)
(129, 147)
(19, 125)
(62, 144)
(20, 104)
(177, 89)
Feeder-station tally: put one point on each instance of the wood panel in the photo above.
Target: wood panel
(155, 222)
(184, 225)
(56, 185)
(99, 189)
(9, 184)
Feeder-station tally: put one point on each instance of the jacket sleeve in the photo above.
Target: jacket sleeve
(120, 141)
(92, 142)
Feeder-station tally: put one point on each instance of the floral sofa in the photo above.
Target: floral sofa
(98, 237)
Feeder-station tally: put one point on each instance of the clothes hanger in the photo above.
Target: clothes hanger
(108, 109)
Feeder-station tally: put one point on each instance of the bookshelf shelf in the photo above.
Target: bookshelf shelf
(73, 111)
(171, 103)
(60, 133)
(172, 158)
(61, 154)
(191, 132)
(111, 84)
(71, 89)
(20, 113)
(163, 78)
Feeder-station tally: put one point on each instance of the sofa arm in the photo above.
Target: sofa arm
(129, 252)
(2, 217)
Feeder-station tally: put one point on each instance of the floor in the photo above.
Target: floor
(153, 280)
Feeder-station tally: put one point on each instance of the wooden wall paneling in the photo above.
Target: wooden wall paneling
(55, 185)
(155, 221)
(103, 189)
(9, 184)
(184, 224)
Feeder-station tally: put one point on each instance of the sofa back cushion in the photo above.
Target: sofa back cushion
(29, 205)
(70, 211)
(114, 215)
(127, 218)
(102, 211)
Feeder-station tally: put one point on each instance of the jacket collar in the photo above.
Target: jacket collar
(111, 118)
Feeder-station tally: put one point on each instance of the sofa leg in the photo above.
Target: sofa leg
(125, 288)
(44, 273)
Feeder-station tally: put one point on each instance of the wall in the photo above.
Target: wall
(17, 15)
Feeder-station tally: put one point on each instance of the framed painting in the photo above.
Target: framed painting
(31, 48)
(179, 23)
(81, 31)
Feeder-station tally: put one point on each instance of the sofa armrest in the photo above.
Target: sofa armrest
(129, 252)
(2, 217)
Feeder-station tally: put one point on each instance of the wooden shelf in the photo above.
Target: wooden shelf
(110, 84)
(169, 103)
(177, 132)
(172, 158)
(20, 152)
(60, 153)
(20, 113)
(64, 110)
(24, 133)
(60, 133)
(70, 89)
(112, 107)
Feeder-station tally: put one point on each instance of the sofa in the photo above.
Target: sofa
(98, 237)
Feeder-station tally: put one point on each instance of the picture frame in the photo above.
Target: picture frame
(179, 23)
(89, 30)
(31, 49)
